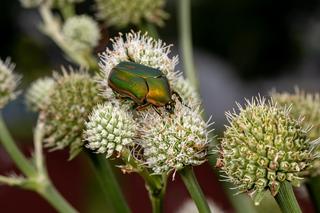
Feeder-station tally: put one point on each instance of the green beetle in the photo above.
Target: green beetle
(142, 84)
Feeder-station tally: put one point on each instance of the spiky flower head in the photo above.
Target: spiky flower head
(262, 147)
(37, 96)
(141, 49)
(81, 32)
(121, 13)
(109, 129)
(307, 106)
(73, 98)
(8, 82)
(172, 141)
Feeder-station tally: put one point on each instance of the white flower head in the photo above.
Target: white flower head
(38, 94)
(172, 141)
(81, 32)
(141, 49)
(109, 129)
(8, 82)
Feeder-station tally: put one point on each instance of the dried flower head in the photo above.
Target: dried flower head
(263, 147)
(8, 82)
(140, 49)
(70, 104)
(81, 32)
(109, 129)
(172, 141)
(121, 13)
(306, 106)
(38, 94)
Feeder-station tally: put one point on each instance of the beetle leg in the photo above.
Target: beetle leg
(141, 107)
(156, 109)
(179, 98)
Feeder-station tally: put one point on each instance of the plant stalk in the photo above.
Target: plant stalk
(52, 28)
(50, 193)
(155, 184)
(313, 187)
(185, 38)
(41, 185)
(194, 189)
(109, 183)
(16, 155)
(286, 199)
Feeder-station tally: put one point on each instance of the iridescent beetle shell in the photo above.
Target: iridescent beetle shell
(142, 84)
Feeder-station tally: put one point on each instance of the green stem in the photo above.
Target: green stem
(52, 28)
(185, 37)
(109, 183)
(41, 185)
(286, 199)
(67, 10)
(313, 186)
(155, 184)
(8, 143)
(194, 189)
(55, 199)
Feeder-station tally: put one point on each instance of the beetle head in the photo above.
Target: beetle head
(170, 106)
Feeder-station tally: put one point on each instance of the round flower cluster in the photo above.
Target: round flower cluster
(263, 147)
(109, 128)
(124, 12)
(171, 142)
(37, 95)
(8, 82)
(306, 106)
(71, 101)
(159, 140)
(81, 32)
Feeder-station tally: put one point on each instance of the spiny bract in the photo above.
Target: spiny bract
(109, 129)
(263, 147)
(70, 104)
(8, 82)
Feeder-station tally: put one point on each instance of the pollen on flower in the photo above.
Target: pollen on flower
(8, 82)
(262, 147)
(171, 142)
(109, 129)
